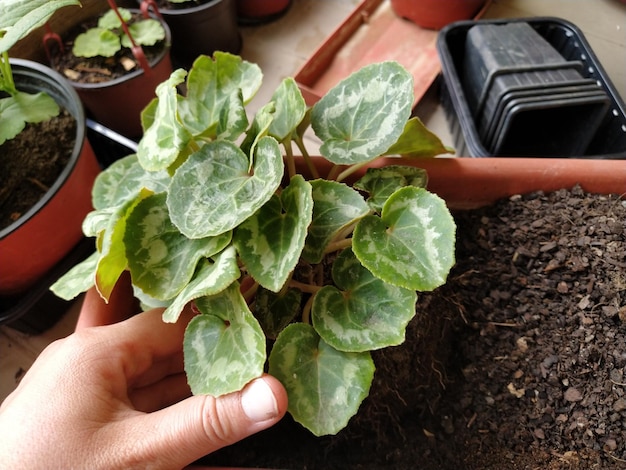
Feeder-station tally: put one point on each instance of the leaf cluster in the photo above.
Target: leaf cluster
(18, 18)
(108, 37)
(215, 210)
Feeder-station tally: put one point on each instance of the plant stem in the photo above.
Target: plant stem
(306, 311)
(307, 158)
(351, 169)
(338, 245)
(308, 288)
(6, 76)
(291, 164)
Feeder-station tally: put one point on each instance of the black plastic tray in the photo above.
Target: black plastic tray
(39, 309)
(609, 141)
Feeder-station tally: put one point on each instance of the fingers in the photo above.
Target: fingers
(200, 425)
(165, 392)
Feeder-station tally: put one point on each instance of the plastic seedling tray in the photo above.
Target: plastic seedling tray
(491, 116)
(609, 141)
(492, 50)
(531, 126)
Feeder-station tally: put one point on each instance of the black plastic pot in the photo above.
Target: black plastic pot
(608, 123)
(201, 29)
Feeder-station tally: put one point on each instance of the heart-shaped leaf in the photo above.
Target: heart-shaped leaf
(325, 386)
(412, 244)
(161, 259)
(271, 240)
(213, 191)
(96, 42)
(17, 110)
(418, 141)
(362, 116)
(146, 32)
(335, 206)
(290, 109)
(381, 183)
(77, 280)
(210, 279)
(224, 347)
(362, 312)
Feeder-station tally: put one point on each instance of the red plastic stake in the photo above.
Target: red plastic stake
(50, 35)
(136, 49)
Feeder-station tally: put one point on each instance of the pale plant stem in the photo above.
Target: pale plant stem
(308, 288)
(291, 164)
(307, 158)
(338, 245)
(350, 170)
(306, 311)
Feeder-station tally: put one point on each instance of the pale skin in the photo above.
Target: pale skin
(116, 397)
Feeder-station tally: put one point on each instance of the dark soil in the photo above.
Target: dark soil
(31, 163)
(98, 69)
(518, 362)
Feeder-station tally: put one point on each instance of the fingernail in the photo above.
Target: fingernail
(258, 401)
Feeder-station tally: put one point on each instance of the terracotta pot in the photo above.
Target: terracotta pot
(435, 14)
(201, 29)
(39, 239)
(117, 104)
(260, 11)
(463, 182)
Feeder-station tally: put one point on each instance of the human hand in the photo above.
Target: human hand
(116, 396)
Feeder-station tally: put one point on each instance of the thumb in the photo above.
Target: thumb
(202, 424)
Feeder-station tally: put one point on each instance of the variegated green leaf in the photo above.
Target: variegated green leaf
(161, 259)
(276, 310)
(335, 206)
(362, 116)
(259, 128)
(290, 109)
(97, 221)
(412, 244)
(211, 278)
(166, 137)
(213, 191)
(325, 386)
(233, 119)
(361, 313)
(417, 141)
(210, 85)
(123, 180)
(78, 279)
(381, 183)
(271, 240)
(224, 347)
(113, 260)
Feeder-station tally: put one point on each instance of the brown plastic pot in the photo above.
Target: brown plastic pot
(435, 14)
(39, 239)
(260, 11)
(463, 183)
(118, 103)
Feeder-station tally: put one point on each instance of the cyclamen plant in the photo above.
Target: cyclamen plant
(210, 212)
(108, 37)
(18, 18)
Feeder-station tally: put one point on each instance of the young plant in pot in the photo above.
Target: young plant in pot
(47, 167)
(199, 27)
(119, 57)
(210, 212)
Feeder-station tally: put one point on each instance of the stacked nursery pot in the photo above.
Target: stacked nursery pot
(528, 87)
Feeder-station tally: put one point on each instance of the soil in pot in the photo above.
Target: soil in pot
(38, 156)
(98, 69)
(518, 362)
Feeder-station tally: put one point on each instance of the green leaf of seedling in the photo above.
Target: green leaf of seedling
(276, 310)
(22, 108)
(146, 32)
(362, 116)
(113, 260)
(161, 259)
(418, 141)
(224, 347)
(210, 85)
(335, 206)
(213, 191)
(18, 18)
(325, 387)
(211, 278)
(290, 109)
(412, 244)
(110, 20)
(381, 183)
(96, 42)
(166, 137)
(361, 313)
(77, 280)
(123, 180)
(271, 240)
